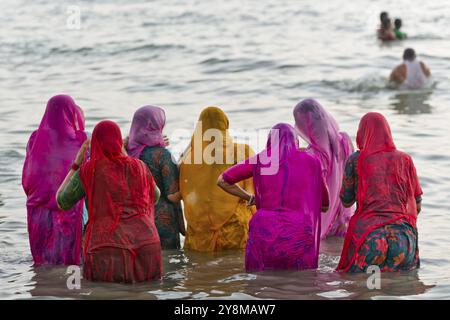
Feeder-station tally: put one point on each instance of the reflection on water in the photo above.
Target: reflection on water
(196, 275)
(412, 102)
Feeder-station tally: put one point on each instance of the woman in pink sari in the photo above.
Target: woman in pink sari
(332, 148)
(55, 236)
(289, 195)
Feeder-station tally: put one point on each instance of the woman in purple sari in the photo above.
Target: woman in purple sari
(55, 235)
(332, 148)
(289, 194)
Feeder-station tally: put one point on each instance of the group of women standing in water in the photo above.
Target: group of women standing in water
(133, 189)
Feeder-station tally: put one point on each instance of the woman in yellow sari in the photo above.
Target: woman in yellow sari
(215, 220)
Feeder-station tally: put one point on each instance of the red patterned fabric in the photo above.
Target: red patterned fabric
(120, 193)
(387, 186)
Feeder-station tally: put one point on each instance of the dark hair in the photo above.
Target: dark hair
(383, 16)
(398, 23)
(386, 23)
(409, 54)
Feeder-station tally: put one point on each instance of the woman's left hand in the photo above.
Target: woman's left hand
(166, 141)
(82, 153)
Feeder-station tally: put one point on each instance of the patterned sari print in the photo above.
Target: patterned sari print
(146, 142)
(383, 181)
(167, 214)
(393, 247)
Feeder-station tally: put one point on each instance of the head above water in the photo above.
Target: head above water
(63, 115)
(146, 129)
(214, 118)
(374, 134)
(317, 127)
(106, 141)
(398, 23)
(384, 16)
(286, 137)
(409, 54)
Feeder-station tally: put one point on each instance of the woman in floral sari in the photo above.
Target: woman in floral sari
(146, 142)
(383, 181)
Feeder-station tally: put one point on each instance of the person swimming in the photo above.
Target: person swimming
(400, 35)
(412, 73)
(385, 30)
(384, 16)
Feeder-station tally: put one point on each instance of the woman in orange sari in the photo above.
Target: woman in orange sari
(216, 220)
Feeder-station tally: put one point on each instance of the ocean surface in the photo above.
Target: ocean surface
(256, 60)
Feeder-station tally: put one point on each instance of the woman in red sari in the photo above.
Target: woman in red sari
(121, 241)
(383, 181)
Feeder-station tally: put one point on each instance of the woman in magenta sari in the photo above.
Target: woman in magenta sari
(332, 148)
(55, 236)
(289, 194)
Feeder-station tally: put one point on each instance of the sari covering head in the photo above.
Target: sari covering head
(285, 231)
(216, 220)
(51, 151)
(146, 142)
(146, 130)
(332, 148)
(387, 186)
(55, 236)
(120, 193)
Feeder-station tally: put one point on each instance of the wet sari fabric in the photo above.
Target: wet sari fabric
(386, 195)
(146, 142)
(121, 240)
(284, 233)
(215, 220)
(332, 148)
(55, 235)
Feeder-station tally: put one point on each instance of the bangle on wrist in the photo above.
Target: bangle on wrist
(75, 166)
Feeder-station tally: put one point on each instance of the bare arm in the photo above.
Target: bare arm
(398, 74)
(425, 69)
(174, 197)
(234, 189)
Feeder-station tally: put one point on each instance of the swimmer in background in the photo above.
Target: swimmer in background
(400, 35)
(384, 32)
(412, 73)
